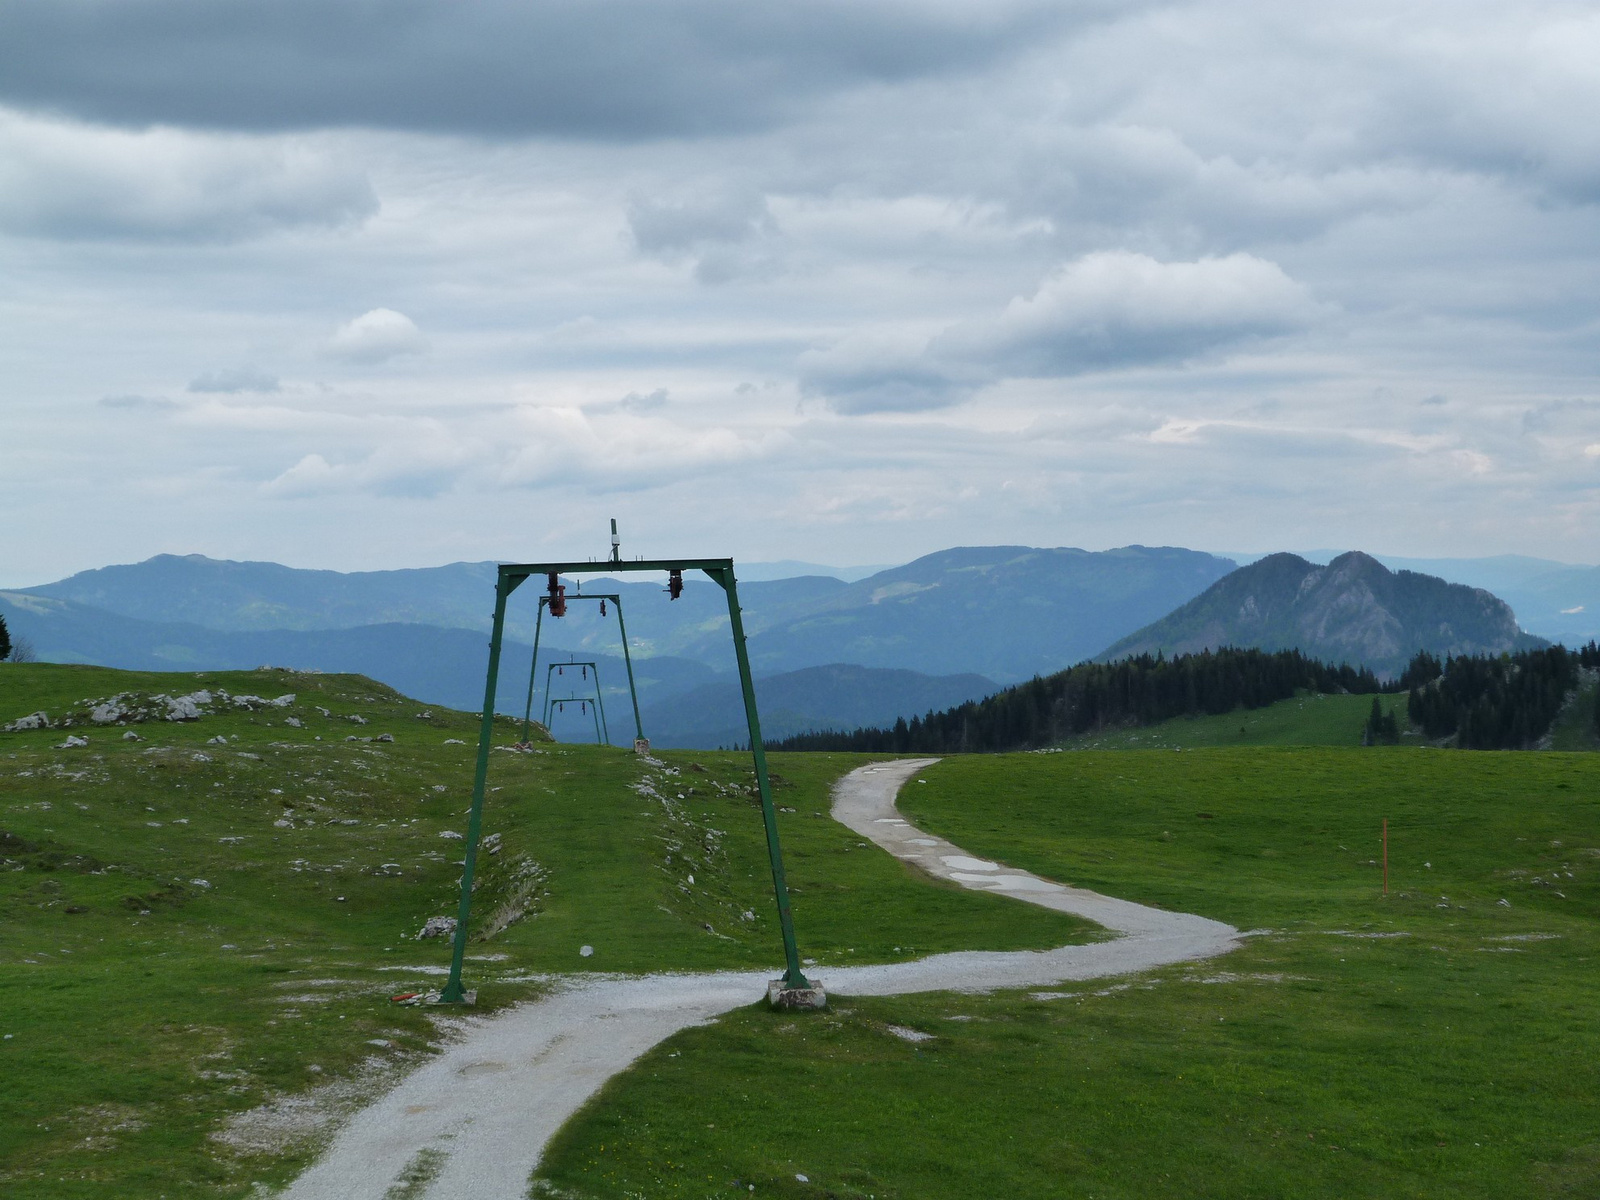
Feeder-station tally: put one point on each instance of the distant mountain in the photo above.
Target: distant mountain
(244, 596)
(436, 666)
(1004, 612)
(1353, 610)
(838, 696)
(684, 702)
(789, 568)
(1555, 600)
(239, 596)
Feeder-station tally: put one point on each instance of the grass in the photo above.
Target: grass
(192, 930)
(1310, 719)
(1434, 1043)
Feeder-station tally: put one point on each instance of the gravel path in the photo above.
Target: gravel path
(477, 1118)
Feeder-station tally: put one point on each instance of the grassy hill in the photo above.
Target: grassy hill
(1436, 1043)
(191, 929)
(177, 964)
(1306, 720)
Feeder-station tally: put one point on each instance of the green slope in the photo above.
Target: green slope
(1435, 1043)
(191, 929)
(1306, 720)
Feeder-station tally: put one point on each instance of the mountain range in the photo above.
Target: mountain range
(945, 628)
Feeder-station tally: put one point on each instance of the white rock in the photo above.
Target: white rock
(293, 722)
(450, 833)
(357, 719)
(36, 720)
(438, 927)
(72, 741)
(108, 713)
(282, 701)
(131, 736)
(585, 951)
(201, 756)
(182, 708)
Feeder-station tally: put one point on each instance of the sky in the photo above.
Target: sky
(404, 282)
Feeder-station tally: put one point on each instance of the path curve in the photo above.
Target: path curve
(489, 1103)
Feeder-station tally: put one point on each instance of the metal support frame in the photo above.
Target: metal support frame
(551, 699)
(627, 658)
(600, 738)
(720, 571)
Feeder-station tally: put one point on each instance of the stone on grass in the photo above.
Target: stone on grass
(438, 927)
(73, 740)
(36, 720)
(183, 708)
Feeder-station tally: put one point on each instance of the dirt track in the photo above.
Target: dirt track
(485, 1108)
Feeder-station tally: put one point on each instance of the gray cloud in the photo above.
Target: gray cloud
(233, 380)
(868, 373)
(727, 234)
(621, 69)
(1104, 311)
(1113, 275)
(63, 180)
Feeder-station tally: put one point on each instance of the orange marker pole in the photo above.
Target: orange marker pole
(1386, 856)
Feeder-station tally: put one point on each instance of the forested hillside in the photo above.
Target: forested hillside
(1505, 703)
(1089, 696)
(1476, 702)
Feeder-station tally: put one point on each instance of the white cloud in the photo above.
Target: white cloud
(375, 337)
(1115, 273)
(63, 180)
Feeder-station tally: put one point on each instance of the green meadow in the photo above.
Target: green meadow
(197, 933)
(1441, 1041)
(200, 925)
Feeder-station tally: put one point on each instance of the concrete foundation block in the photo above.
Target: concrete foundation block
(781, 995)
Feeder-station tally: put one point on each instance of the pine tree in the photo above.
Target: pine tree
(5, 640)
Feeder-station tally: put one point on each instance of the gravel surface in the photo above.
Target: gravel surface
(490, 1102)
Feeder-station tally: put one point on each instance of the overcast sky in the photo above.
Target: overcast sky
(409, 281)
